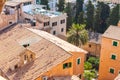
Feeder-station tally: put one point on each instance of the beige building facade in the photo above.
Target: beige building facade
(26, 12)
(111, 1)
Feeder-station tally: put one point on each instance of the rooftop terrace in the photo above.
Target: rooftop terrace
(36, 10)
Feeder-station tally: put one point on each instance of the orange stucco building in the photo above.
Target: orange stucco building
(1, 4)
(30, 54)
(110, 54)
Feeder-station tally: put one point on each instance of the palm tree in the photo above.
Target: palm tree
(78, 35)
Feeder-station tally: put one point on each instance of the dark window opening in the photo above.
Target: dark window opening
(31, 56)
(54, 32)
(78, 61)
(115, 43)
(54, 24)
(80, 76)
(67, 65)
(89, 45)
(113, 57)
(46, 24)
(16, 66)
(62, 29)
(111, 70)
(26, 45)
(62, 21)
(25, 57)
(10, 22)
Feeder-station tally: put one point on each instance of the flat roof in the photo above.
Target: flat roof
(38, 10)
(22, 1)
(12, 3)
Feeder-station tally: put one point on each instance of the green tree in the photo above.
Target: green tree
(80, 18)
(97, 20)
(45, 2)
(78, 35)
(79, 8)
(114, 16)
(89, 75)
(68, 10)
(105, 11)
(94, 61)
(61, 5)
(90, 15)
(87, 65)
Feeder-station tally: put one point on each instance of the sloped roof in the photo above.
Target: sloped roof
(50, 51)
(57, 41)
(112, 32)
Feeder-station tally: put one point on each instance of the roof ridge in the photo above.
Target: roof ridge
(57, 42)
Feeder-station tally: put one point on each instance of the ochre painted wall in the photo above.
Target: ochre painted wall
(74, 70)
(92, 48)
(1, 4)
(106, 62)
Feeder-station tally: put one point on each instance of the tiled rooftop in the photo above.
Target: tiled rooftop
(112, 32)
(50, 51)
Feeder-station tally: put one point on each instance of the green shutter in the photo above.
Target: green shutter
(70, 64)
(111, 70)
(65, 65)
(78, 61)
(113, 57)
(115, 43)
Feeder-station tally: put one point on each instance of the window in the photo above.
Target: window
(31, 56)
(27, 3)
(16, 66)
(10, 22)
(26, 45)
(62, 21)
(46, 24)
(115, 43)
(112, 70)
(54, 24)
(25, 57)
(54, 32)
(78, 61)
(62, 29)
(118, 72)
(113, 56)
(67, 65)
(89, 45)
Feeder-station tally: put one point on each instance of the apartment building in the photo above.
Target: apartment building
(110, 54)
(111, 1)
(51, 3)
(31, 54)
(25, 11)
